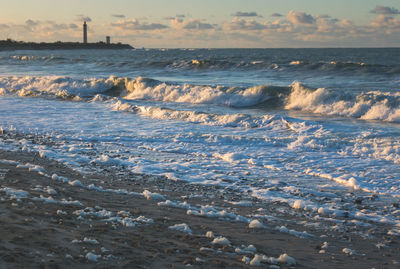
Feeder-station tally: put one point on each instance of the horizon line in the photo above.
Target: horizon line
(198, 48)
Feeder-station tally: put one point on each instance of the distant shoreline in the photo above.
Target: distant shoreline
(20, 45)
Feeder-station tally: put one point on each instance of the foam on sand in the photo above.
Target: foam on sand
(15, 193)
(183, 227)
(256, 224)
(282, 259)
(220, 240)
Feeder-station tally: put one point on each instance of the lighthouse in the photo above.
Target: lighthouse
(84, 33)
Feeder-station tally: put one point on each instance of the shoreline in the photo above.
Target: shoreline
(120, 219)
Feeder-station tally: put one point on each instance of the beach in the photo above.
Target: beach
(200, 134)
(209, 158)
(55, 217)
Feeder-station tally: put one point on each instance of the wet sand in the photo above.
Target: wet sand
(38, 232)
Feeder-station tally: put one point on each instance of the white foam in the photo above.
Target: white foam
(299, 204)
(250, 249)
(229, 120)
(183, 227)
(89, 211)
(304, 234)
(242, 203)
(90, 241)
(256, 224)
(76, 183)
(283, 258)
(48, 189)
(348, 251)
(92, 257)
(170, 203)
(122, 217)
(32, 167)
(230, 157)
(212, 212)
(61, 212)
(15, 193)
(51, 200)
(210, 234)
(156, 196)
(220, 240)
(9, 162)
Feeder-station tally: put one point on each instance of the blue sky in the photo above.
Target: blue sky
(207, 23)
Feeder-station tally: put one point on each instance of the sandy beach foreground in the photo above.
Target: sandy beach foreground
(55, 217)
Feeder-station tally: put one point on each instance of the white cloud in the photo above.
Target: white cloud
(193, 24)
(386, 23)
(300, 18)
(246, 25)
(294, 29)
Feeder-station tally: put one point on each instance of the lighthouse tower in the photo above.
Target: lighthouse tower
(84, 33)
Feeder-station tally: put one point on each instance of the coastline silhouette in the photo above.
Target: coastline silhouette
(10, 44)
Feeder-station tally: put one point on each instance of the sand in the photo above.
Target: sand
(39, 232)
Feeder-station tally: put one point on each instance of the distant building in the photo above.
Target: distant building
(85, 33)
(108, 40)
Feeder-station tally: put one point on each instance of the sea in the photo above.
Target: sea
(284, 125)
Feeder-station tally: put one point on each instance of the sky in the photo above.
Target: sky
(207, 23)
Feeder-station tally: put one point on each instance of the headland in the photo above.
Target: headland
(21, 45)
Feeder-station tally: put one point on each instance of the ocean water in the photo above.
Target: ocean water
(285, 125)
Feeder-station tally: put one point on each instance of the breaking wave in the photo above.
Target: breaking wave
(149, 89)
(367, 105)
(53, 86)
(372, 105)
(139, 88)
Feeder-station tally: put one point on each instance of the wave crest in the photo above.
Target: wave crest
(369, 105)
(60, 87)
(373, 105)
(144, 88)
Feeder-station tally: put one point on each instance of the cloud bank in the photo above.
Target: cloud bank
(245, 29)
